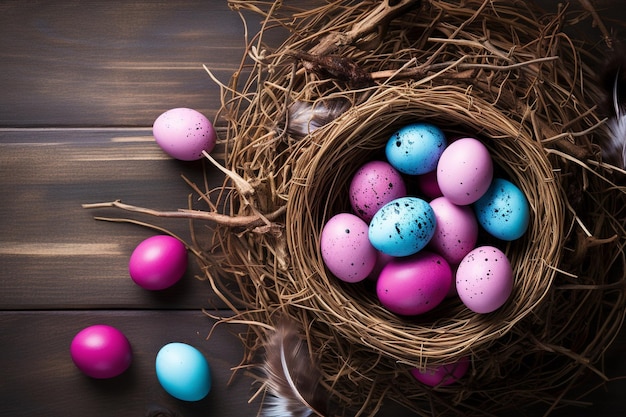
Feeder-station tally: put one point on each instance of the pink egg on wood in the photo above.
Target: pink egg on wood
(158, 262)
(184, 133)
(101, 351)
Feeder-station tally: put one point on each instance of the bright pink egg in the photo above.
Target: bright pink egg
(101, 351)
(414, 284)
(158, 262)
(442, 375)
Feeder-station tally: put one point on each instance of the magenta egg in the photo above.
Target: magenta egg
(101, 351)
(158, 262)
(484, 279)
(345, 247)
(373, 185)
(442, 375)
(414, 284)
(184, 133)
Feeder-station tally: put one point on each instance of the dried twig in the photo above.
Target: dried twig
(252, 221)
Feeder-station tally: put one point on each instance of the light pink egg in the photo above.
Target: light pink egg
(346, 249)
(442, 375)
(414, 284)
(184, 133)
(373, 185)
(484, 279)
(428, 184)
(464, 171)
(456, 231)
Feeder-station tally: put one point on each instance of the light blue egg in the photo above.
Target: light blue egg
(415, 149)
(402, 227)
(183, 372)
(503, 211)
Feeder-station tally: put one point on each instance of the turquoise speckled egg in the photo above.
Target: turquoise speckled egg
(402, 227)
(415, 149)
(503, 211)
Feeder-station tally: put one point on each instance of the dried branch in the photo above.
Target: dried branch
(252, 221)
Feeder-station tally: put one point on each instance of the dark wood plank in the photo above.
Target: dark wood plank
(114, 62)
(52, 253)
(40, 379)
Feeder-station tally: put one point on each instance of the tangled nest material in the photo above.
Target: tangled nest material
(498, 69)
(502, 71)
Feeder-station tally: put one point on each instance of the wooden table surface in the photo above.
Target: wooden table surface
(80, 85)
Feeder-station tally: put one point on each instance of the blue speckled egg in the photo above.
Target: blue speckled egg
(415, 149)
(503, 211)
(402, 227)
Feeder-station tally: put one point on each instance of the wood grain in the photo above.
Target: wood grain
(53, 253)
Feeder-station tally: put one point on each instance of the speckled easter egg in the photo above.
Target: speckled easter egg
(503, 211)
(184, 133)
(464, 171)
(442, 375)
(414, 284)
(415, 148)
(456, 231)
(346, 249)
(402, 227)
(373, 185)
(484, 279)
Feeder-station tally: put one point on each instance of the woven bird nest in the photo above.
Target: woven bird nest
(501, 71)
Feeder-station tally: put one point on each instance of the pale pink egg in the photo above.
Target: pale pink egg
(456, 230)
(346, 249)
(465, 171)
(373, 185)
(184, 133)
(442, 375)
(484, 279)
(414, 284)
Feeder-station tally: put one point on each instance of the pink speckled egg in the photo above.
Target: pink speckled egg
(373, 185)
(442, 375)
(346, 249)
(158, 262)
(464, 171)
(456, 230)
(184, 133)
(484, 279)
(415, 284)
(101, 351)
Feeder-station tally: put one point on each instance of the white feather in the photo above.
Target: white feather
(616, 147)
